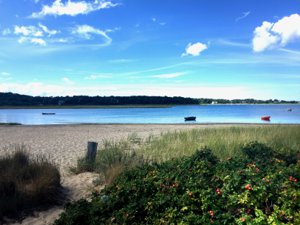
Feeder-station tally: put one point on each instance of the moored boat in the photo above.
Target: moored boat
(266, 118)
(190, 118)
(44, 113)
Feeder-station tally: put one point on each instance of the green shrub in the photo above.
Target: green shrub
(26, 184)
(257, 151)
(198, 189)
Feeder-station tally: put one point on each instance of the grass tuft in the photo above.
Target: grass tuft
(27, 184)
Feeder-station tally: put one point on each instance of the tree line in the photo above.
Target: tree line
(12, 99)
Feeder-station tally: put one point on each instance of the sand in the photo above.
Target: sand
(64, 144)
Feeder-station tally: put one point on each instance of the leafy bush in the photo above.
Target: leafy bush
(26, 184)
(198, 189)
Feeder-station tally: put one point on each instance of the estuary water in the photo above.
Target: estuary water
(282, 114)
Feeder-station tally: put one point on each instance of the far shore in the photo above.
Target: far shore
(131, 106)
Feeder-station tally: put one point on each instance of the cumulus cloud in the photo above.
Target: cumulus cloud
(36, 41)
(28, 31)
(33, 34)
(70, 8)
(279, 34)
(194, 49)
(169, 75)
(88, 32)
(35, 31)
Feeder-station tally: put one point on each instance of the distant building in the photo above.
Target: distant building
(214, 102)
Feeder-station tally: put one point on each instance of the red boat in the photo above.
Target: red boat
(266, 118)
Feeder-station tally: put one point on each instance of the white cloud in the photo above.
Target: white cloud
(278, 34)
(6, 31)
(87, 32)
(245, 14)
(34, 31)
(98, 76)
(69, 8)
(47, 31)
(38, 41)
(196, 91)
(33, 34)
(194, 49)
(28, 31)
(67, 81)
(5, 74)
(169, 75)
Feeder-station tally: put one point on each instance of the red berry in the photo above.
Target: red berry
(248, 187)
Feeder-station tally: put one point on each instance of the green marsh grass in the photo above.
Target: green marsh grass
(225, 142)
(115, 156)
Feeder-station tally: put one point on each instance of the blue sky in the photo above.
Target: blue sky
(192, 48)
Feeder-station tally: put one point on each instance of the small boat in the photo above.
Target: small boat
(266, 118)
(44, 113)
(290, 110)
(190, 118)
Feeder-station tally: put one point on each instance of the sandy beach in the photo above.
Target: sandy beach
(64, 144)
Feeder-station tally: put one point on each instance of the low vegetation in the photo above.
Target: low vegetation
(9, 124)
(224, 142)
(261, 187)
(27, 184)
(112, 159)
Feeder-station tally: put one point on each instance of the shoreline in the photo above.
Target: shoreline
(133, 106)
(149, 124)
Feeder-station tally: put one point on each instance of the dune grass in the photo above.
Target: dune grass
(27, 184)
(113, 157)
(225, 142)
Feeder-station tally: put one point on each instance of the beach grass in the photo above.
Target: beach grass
(26, 184)
(113, 157)
(225, 142)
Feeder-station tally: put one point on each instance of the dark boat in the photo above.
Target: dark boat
(290, 110)
(190, 118)
(266, 118)
(48, 113)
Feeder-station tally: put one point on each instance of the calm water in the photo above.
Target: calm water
(204, 114)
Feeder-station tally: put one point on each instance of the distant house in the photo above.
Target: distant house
(214, 102)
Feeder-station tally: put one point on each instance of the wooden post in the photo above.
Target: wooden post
(91, 151)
